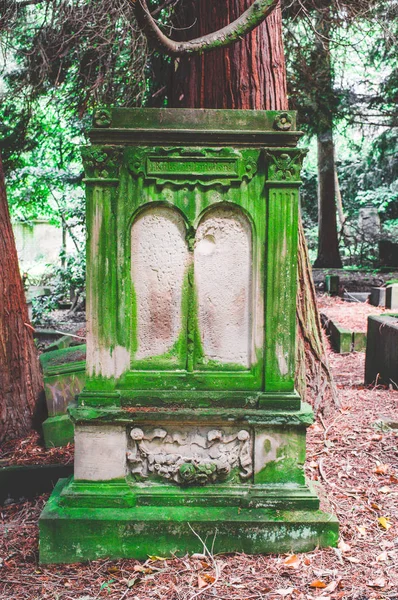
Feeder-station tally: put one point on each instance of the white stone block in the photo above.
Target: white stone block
(100, 452)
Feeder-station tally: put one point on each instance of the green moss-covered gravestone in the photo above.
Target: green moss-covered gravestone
(189, 421)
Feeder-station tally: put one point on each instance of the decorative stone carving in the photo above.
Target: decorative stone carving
(194, 456)
(101, 162)
(283, 166)
(193, 166)
(102, 118)
(283, 122)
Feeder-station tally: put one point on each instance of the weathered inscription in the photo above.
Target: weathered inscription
(198, 166)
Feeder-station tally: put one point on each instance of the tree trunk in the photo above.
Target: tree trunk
(328, 245)
(251, 75)
(21, 383)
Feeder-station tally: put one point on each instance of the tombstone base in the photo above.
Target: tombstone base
(77, 533)
(57, 431)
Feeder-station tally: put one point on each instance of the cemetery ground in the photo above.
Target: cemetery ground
(352, 456)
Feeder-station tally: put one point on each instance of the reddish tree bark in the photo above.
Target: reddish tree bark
(21, 383)
(250, 74)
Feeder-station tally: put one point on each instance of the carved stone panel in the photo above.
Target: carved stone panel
(190, 456)
(223, 278)
(159, 261)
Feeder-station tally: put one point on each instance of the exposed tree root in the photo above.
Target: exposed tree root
(314, 380)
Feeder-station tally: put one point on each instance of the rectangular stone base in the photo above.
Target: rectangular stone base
(73, 530)
(58, 431)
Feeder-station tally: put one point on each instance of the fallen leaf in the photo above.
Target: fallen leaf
(380, 582)
(375, 506)
(382, 557)
(208, 578)
(382, 469)
(157, 557)
(141, 569)
(361, 530)
(292, 561)
(286, 592)
(331, 587)
(352, 559)
(318, 584)
(306, 560)
(199, 556)
(383, 521)
(385, 489)
(343, 547)
(201, 583)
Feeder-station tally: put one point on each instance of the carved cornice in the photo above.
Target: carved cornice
(284, 165)
(193, 166)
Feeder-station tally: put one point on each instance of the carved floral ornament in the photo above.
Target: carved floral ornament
(102, 118)
(102, 162)
(192, 457)
(283, 122)
(285, 165)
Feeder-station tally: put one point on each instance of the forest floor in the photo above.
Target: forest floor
(353, 455)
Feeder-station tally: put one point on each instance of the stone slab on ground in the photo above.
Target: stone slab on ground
(381, 364)
(64, 373)
(392, 296)
(354, 280)
(343, 340)
(378, 296)
(356, 296)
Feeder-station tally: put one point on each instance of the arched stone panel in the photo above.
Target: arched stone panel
(223, 279)
(159, 260)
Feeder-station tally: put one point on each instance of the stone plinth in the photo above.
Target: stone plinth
(381, 364)
(378, 296)
(189, 418)
(392, 296)
(64, 377)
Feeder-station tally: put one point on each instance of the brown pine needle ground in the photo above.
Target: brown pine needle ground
(352, 455)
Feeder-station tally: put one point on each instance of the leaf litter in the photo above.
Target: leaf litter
(351, 460)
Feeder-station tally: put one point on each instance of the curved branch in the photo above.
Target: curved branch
(249, 20)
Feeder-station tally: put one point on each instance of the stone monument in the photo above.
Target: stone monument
(189, 421)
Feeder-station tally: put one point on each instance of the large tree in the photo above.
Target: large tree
(249, 74)
(84, 46)
(21, 383)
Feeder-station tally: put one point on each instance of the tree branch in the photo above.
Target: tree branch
(249, 20)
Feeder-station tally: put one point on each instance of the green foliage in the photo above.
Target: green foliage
(69, 277)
